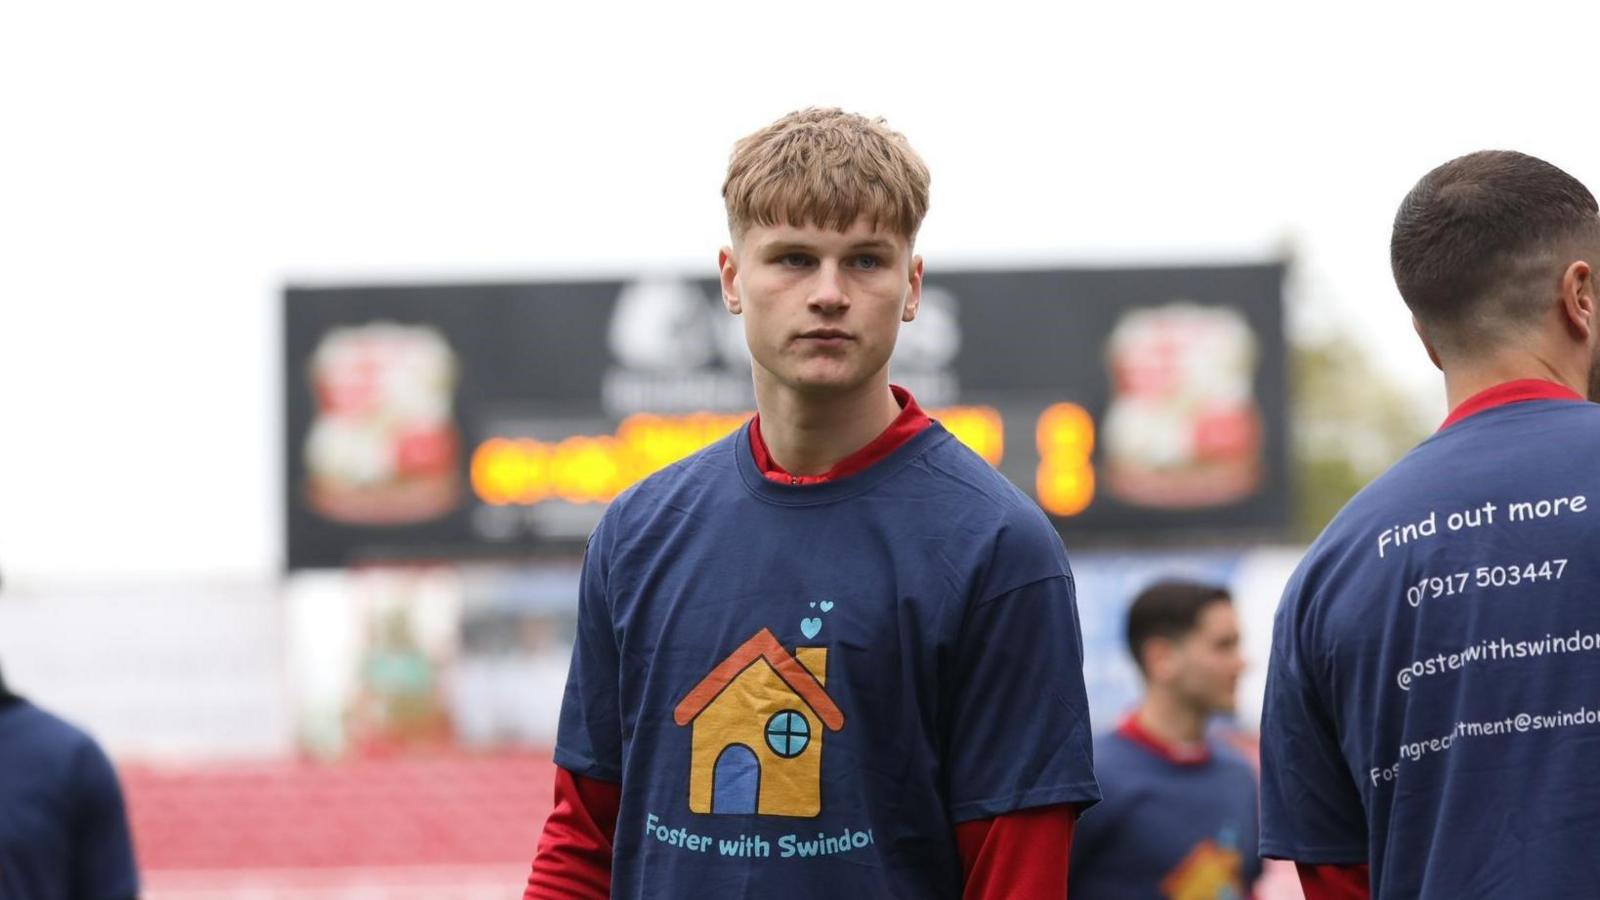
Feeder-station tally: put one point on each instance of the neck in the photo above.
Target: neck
(1171, 721)
(1462, 381)
(807, 433)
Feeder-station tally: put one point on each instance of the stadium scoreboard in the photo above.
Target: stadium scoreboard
(439, 421)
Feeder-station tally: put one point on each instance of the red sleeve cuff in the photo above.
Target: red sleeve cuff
(1019, 854)
(573, 861)
(1335, 882)
(1023, 853)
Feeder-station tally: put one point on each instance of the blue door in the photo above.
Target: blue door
(735, 781)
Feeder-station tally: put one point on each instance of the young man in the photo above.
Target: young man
(63, 830)
(1430, 723)
(835, 654)
(1178, 818)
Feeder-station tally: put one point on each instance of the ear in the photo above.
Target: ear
(1433, 355)
(728, 266)
(1157, 655)
(914, 298)
(1578, 299)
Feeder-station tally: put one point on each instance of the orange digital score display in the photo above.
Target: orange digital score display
(524, 471)
(595, 469)
(583, 469)
(1065, 481)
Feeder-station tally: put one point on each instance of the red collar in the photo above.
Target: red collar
(905, 426)
(1510, 392)
(1179, 756)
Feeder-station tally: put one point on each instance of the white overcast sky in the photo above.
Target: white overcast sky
(165, 167)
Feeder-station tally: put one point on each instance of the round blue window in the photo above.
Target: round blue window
(788, 733)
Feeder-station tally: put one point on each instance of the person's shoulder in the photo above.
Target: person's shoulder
(1531, 415)
(711, 465)
(1379, 503)
(1504, 446)
(960, 480)
(1231, 759)
(1113, 747)
(35, 720)
(961, 471)
(44, 737)
(994, 529)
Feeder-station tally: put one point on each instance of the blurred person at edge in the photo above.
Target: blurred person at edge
(63, 830)
(1431, 714)
(1178, 814)
(928, 603)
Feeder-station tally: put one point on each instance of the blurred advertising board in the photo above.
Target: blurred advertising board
(390, 657)
(482, 421)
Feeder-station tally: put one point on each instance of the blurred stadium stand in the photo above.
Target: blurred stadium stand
(451, 825)
(230, 711)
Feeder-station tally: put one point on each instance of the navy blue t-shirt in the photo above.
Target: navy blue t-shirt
(1433, 698)
(63, 830)
(1166, 829)
(802, 689)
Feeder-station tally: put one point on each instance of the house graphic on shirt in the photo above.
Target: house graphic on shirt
(759, 719)
(1211, 871)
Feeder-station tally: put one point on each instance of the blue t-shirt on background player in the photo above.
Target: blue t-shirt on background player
(1166, 827)
(803, 689)
(1433, 699)
(63, 829)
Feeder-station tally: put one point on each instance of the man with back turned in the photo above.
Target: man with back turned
(1433, 699)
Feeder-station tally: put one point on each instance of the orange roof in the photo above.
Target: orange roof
(763, 646)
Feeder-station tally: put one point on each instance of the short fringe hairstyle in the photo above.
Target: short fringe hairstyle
(826, 168)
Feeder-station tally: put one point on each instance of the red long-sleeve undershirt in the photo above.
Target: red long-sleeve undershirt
(1018, 854)
(1335, 882)
(573, 861)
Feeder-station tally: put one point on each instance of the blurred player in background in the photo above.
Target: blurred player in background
(835, 654)
(63, 829)
(1178, 818)
(1430, 724)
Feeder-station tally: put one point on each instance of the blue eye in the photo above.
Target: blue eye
(868, 262)
(794, 260)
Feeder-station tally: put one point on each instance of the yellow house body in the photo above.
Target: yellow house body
(731, 709)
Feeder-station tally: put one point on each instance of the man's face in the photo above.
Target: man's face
(821, 308)
(1206, 663)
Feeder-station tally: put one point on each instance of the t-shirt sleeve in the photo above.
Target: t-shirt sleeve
(103, 866)
(589, 736)
(574, 857)
(1019, 733)
(1250, 841)
(1311, 810)
(1090, 836)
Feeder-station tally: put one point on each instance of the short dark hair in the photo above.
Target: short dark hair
(1169, 609)
(1478, 227)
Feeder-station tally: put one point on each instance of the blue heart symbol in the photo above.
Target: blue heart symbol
(827, 605)
(810, 627)
(813, 604)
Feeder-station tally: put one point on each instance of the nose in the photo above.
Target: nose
(827, 290)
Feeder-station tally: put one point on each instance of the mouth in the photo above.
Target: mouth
(826, 335)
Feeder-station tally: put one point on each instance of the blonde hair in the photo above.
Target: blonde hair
(826, 168)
